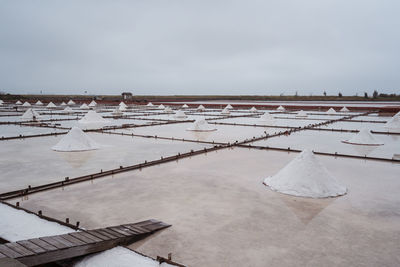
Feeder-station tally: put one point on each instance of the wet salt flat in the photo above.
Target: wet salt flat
(32, 162)
(278, 122)
(331, 142)
(222, 214)
(9, 130)
(224, 133)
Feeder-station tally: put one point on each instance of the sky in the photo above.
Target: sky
(207, 47)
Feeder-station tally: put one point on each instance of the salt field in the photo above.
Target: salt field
(234, 187)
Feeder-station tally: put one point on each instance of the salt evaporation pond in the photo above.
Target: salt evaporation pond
(9, 130)
(221, 195)
(33, 162)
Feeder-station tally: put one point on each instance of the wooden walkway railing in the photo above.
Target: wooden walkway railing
(49, 249)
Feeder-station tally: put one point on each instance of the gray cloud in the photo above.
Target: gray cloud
(199, 47)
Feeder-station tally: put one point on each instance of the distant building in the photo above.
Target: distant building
(127, 96)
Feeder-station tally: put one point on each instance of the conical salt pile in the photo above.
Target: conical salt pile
(344, 109)
(301, 114)
(117, 111)
(161, 106)
(305, 176)
(122, 104)
(39, 103)
(201, 108)
(253, 109)
(122, 108)
(1, 102)
(280, 108)
(363, 137)
(51, 105)
(71, 102)
(393, 125)
(225, 111)
(267, 117)
(92, 104)
(26, 104)
(63, 104)
(168, 110)
(229, 106)
(30, 115)
(150, 104)
(93, 117)
(331, 111)
(84, 106)
(75, 140)
(18, 103)
(67, 109)
(201, 125)
(180, 114)
(185, 106)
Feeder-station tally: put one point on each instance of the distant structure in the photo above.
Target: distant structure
(127, 96)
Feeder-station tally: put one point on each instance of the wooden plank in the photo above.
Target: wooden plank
(83, 238)
(86, 234)
(9, 252)
(73, 240)
(64, 241)
(31, 246)
(51, 240)
(43, 244)
(112, 236)
(99, 235)
(136, 229)
(123, 231)
(20, 249)
(112, 232)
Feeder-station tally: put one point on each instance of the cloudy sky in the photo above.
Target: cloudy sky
(199, 47)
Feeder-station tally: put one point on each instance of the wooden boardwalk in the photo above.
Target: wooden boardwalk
(49, 249)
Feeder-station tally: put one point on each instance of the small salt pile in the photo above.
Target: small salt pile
(92, 117)
(75, 140)
(26, 104)
(92, 104)
(363, 137)
(201, 125)
(280, 108)
(84, 106)
(18, 103)
(51, 105)
(331, 111)
(305, 176)
(253, 109)
(344, 109)
(30, 115)
(225, 111)
(150, 104)
(229, 106)
(71, 103)
(185, 106)
(301, 114)
(180, 115)
(201, 108)
(161, 106)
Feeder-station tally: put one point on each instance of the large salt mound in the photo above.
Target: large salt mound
(93, 117)
(305, 176)
(75, 140)
(30, 115)
(201, 125)
(363, 137)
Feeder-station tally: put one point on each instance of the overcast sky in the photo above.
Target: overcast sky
(199, 47)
